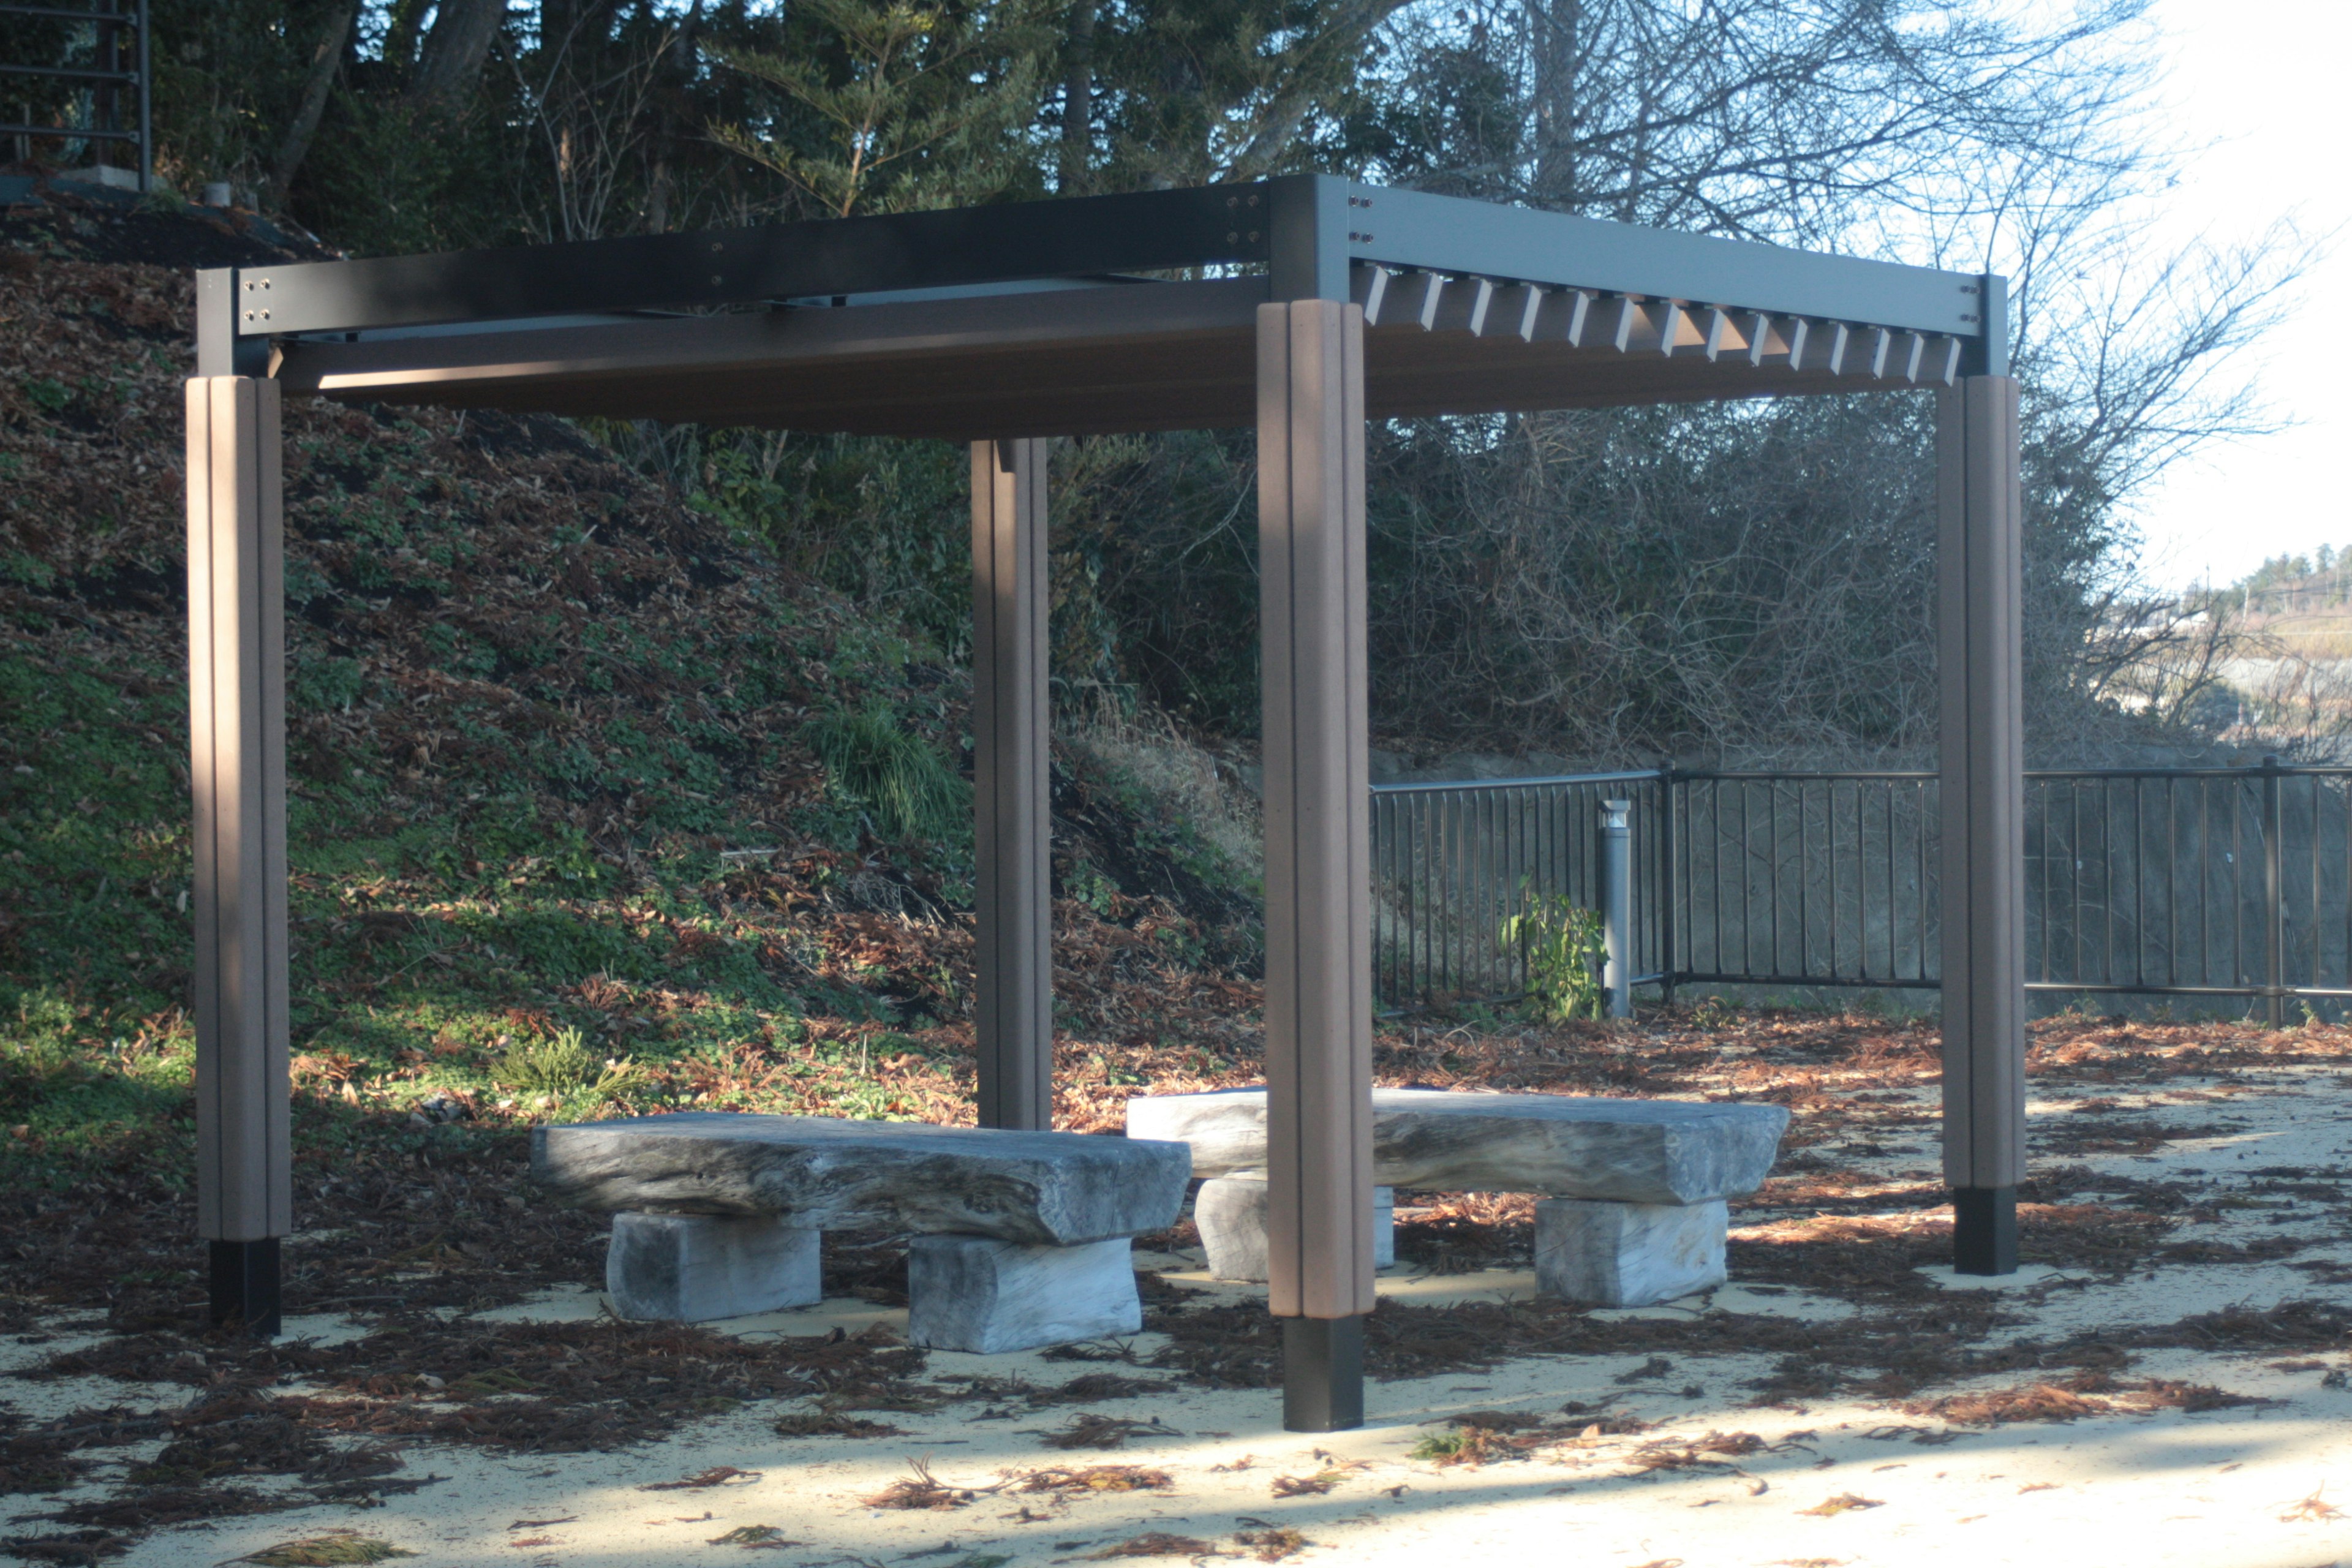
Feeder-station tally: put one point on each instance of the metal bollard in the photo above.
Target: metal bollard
(1617, 905)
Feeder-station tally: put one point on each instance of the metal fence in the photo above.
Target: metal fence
(2174, 881)
(102, 49)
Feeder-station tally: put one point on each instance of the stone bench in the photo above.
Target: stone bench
(1020, 1239)
(1635, 1207)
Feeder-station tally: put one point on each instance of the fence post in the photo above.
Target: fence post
(1669, 841)
(2273, 902)
(1617, 906)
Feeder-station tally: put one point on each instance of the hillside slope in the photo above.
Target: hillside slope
(556, 796)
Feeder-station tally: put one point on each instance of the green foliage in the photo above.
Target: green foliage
(1562, 947)
(907, 790)
(559, 1066)
(1450, 1444)
(919, 106)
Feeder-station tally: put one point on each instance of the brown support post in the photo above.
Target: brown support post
(1319, 1048)
(1012, 1011)
(1980, 589)
(237, 698)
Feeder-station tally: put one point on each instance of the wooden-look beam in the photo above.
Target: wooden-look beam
(1013, 964)
(236, 765)
(1311, 444)
(1977, 649)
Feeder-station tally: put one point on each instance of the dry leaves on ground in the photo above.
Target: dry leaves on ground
(1091, 1478)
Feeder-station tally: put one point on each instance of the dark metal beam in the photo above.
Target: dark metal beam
(1146, 231)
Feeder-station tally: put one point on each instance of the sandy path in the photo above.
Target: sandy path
(2250, 1487)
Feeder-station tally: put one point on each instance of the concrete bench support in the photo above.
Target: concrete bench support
(1020, 1238)
(1633, 1189)
(1229, 1213)
(1628, 1255)
(690, 1269)
(976, 1293)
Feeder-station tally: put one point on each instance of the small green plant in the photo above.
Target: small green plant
(907, 788)
(562, 1066)
(1715, 1013)
(1562, 946)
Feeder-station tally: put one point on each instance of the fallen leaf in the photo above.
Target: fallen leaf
(1154, 1543)
(329, 1551)
(1844, 1502)
(759, 1537)
(717, 1475)
(1306, 1486)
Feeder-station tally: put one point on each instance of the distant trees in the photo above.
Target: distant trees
(1674, 578)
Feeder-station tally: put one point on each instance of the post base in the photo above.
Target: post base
(1322, 1375)
(245, 1280)
(1984, 1230)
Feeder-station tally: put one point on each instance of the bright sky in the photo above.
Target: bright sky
(2264, 81)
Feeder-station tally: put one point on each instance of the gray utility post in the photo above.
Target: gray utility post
(1012, 965)
(1617, 905)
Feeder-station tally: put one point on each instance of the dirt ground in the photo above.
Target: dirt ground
(2164, 1382)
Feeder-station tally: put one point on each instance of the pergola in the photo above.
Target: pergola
(1304, 305)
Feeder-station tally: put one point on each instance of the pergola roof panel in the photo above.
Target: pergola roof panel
(1000, 322)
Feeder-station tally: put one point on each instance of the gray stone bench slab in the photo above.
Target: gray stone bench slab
(1615, 1151)
(1635, 1189)
(1020, 1238)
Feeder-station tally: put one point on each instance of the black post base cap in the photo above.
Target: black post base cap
(245, 1287)
(1984, 1230)
(1322, 1373)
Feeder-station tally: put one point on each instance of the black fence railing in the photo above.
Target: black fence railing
(82, 77)
(2172, 882)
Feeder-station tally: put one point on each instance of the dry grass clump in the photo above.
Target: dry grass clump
(2083, 1394)
(329, 1551)
(1273, 1544)
(1154, 1543)
(1091, 1430)
(1091, 1478)
(921, 1490)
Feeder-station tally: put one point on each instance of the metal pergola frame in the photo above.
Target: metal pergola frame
(1303, 306)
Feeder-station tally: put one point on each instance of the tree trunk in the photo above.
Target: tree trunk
(1077, 100)
(316, 85)
(455, 50)
(1553, 39)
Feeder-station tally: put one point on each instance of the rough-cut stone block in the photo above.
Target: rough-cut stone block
(822, 1174)
(1229, 1213)
(1628, 1255)
(1623, 1150)
(689, 1268)
(977, 1293)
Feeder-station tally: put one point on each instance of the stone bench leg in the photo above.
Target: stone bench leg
(688, 1269)
(977, 1293)
(1628, 1255)
(1230, 1212)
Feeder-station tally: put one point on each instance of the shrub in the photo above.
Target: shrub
(1563, 947)
(905, 788)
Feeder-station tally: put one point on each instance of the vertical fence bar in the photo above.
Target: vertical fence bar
(2274, 901)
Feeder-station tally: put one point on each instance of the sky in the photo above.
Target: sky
(2261, 84)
